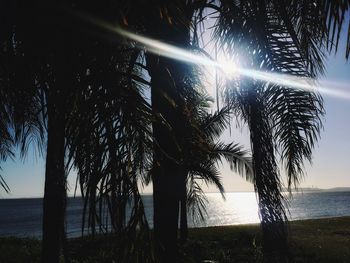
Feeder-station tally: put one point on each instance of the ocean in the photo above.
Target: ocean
(23, 217)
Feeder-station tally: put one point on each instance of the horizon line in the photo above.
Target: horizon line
(209, 192)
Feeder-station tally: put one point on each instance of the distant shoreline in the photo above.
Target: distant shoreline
(299, 190)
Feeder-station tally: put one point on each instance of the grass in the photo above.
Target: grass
(316, 240)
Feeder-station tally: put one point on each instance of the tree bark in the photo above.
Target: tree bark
(55, 182)
(57, 99)
(267, 186)
(183, 221)
(167, 82)
(166, 179)
(183, 209)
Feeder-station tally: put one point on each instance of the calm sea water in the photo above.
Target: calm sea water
(22, 217)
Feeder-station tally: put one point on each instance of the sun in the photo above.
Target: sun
(220, 70)
(228, 66)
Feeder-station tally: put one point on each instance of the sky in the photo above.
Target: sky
(331, 157)
(330, 166)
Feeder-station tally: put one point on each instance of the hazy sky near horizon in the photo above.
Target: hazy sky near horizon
(331, 162)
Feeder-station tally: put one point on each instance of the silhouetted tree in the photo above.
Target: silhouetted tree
(287, 37)
(22, 117)
(43, 61)
(202, 152)
(78, 79)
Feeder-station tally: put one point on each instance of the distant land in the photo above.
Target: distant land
(315, 189)
(299, 189)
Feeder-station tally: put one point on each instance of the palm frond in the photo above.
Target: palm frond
(297, 120)
(326, 21)
(3, 184)
(196, 200)
(236, 157)
(110, 143)
(214, 125)
(280, 46)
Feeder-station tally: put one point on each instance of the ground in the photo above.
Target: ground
(316, 240)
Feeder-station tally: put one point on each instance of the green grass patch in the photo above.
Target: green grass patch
(316, 240)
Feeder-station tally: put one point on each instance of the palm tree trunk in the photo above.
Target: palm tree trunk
(267, 186)
(166, 214)
(166, 183)
(55, 174)
(167, 77)
(55, 182)
(183, 221)
(183, 210)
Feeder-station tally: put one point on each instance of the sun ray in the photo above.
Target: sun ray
(229, 69)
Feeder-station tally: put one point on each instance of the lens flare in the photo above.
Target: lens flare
(229, 68)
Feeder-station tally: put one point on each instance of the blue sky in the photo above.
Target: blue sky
(331, 162)
(331, 159)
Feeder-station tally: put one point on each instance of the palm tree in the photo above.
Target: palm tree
(168, 22)
(22, 121)
(110, 144)
(44, 55)
(60, 69)
(43, 65)
(91, 177)
(6, 140)
(22, 118)
(202, 150)
(287, 38)
(60, 60)
(173, 90)
(168, 80)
